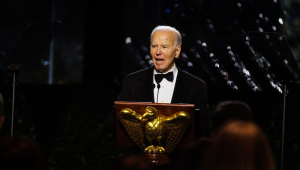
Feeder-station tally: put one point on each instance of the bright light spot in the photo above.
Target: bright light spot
(274, 28)
(228, 48)
(246, 72)
(190, 64)
(217, 65)
(275, 86)
(45, 63)
(128, 40)
(239, 4)
(280, 21)
(204, 44)
(260, 30)
(260, 15)
(150, 62)
(267, 36)
(266, 18)
(147, 57)
(255, 88)
(184, 55)
(229, 82)
(211, 55)
(284, 12)
(278, 53)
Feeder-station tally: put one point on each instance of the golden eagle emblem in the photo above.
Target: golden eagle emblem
(153, 132)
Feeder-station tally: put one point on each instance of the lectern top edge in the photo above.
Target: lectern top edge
(153, 104)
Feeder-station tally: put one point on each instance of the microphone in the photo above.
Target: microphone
(158, 87)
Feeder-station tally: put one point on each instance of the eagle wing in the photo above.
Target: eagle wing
(133, 125)
(175, 128)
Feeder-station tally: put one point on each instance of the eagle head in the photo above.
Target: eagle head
(150, 113)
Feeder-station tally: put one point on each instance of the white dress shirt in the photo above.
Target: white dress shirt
(166, 89)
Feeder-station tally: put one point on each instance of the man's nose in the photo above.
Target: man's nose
(158, 51)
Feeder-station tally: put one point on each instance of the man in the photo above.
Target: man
(149, 85)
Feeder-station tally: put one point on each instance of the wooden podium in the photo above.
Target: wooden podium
(124, 140)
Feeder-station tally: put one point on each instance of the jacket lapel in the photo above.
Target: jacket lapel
(181, 88)
(146, 88)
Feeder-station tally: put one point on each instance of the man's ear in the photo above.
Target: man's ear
(1, 121)
(178, 50)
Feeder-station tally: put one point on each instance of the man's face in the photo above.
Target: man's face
(163, 50)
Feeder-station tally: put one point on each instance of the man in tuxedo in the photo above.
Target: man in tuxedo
(167, 83)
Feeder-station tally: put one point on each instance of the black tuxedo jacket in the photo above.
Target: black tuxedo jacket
(139, 86)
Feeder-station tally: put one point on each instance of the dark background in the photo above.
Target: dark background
(101, 42)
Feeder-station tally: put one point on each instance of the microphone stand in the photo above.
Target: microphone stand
(31, 45)
(275, 48)
(14, 68)
(158, 87)
(283, 119)
(283, 123)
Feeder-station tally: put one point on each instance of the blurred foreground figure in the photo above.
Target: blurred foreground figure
(190, 157)
(19, 152)
(239, 146)
(230, 110)
(134, 162)
(1, 111)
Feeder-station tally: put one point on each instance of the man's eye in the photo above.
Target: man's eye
(165, 47)
(153, 46)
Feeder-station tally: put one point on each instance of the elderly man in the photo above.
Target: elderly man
(165, 82)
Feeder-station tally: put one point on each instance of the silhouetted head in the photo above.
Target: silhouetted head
(230, 110)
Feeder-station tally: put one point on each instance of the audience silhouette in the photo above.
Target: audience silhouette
(1, 111)
(239, 145)
(19, 152)
(230, 110)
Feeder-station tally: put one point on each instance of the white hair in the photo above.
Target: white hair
(168, 28)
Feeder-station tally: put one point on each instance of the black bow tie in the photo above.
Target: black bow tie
(168, 76)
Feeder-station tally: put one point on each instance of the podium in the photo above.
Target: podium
(174, 121)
